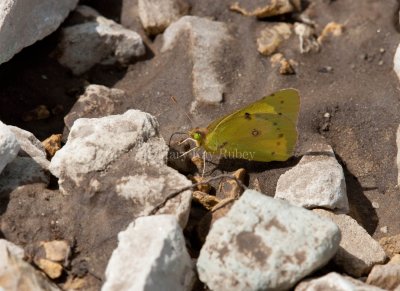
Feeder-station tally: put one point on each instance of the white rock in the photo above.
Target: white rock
(16, 274)
(358, 251)
(121, 155)
(157, 15)
(396, 68)
(91, 148)
(334, 281)
(316, 182)
(22, 23)
(265, 244)
(107, 41)
(206, 42)
(30, 146)
(9, 146)
(398, 130)
(151, 255)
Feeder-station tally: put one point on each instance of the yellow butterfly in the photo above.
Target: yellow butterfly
(262, 131)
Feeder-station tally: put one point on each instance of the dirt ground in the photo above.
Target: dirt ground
(360, 92)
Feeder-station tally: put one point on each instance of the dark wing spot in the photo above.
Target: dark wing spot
(282, 101)
(275, 124)
(278, 128)
(280, 113)
(280, 135)
(273, 153)
(222, 145)
(278, 143)
(255, 132)
(272, 95)
(247, 116)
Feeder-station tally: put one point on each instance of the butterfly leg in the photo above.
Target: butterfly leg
(204, 164)
(185, 153)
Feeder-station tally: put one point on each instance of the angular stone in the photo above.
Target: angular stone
(151, 255)
(385, 276)
(16, 274)
(96, 101)
(265, 244)
(391, 244)
(317, 181)
(335, 281)
(358, 251)
(157, 15)
(22, 23)
(107, 41)
(268, 8)
(207, 39)
(9, 146)
(270, 38)
(121, 156)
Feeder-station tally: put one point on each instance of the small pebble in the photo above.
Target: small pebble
(384, 229)
(375, 204)
(380, 63)
(381, 50)
(327, 115)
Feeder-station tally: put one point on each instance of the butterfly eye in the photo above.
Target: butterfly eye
(197, 136)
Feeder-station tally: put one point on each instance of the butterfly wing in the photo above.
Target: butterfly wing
(263, 131)
(285, 102)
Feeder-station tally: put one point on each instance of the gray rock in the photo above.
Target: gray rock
(206, 42)
(97, 100)
(22, 23)
(121, 156)
(30, 146)
(157, 15)
(16, 274)
(107, 41)
(9, 146)
(265, 244)
(358, 251)
(151, 255)
(317, 181)
(335, 281)
(29, 166)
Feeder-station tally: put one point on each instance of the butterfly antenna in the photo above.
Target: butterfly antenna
(170, 138)
(186, 139)
(173, 98)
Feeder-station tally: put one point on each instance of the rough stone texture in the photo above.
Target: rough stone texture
(265, 244)
(391, 244)
(396, 68)
(335, 281)
(121, 155)
(9, 146)
(271, 37)
(157, 15)
(29, 166)
(385, 276)
(398, 137)
(207, 40)
(151, 255)
(358, 251)
(30, 146)
(96, 101)
(22, 23)
(266, 8)
(316, 181)
(107, 42)
(16, 274)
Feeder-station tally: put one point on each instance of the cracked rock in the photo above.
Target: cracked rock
(317, 181)
(265, 244)
(151, 255)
